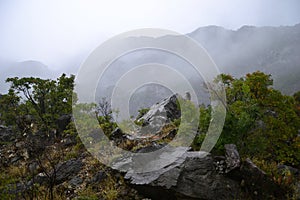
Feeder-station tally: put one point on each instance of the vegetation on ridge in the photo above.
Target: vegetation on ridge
(261, 121)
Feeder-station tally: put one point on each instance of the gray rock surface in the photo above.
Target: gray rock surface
(75, 181)
(6, 134)
(67, 170)
(195, 175)
(191, 176)
(160, 114)
(98, 177)
(258, 182)
(233, 160)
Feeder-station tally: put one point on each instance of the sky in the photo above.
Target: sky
(62, 33)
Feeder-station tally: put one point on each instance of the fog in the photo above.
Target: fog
(59, 35)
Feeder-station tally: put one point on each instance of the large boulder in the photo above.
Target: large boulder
(161, 114)
(191, 176)
(63, 171)
(155, 125)
(258, 183)
(199, 179)
(195, 175)
(254, 180)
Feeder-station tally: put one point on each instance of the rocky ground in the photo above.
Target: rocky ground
(59, 167)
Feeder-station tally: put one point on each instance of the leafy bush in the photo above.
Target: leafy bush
(260, 120)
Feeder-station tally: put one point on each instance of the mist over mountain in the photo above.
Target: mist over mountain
(273, 50)
(24, 69)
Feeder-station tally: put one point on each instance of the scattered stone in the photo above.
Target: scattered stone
(232, 155)
(98, 177)
(7, 134)
(15, 159)
(67, 170)
(75, 181)
(294, 171)
(69, 141)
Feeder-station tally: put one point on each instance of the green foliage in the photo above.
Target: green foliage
(142, 112)
(105, 116)
(297, 102)
(107, 125)
(8, 106)
(7, 182)
(204, 121)
(260, 120)
(43, 100)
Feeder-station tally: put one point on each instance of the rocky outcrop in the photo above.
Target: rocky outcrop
(7, 134)
(159, 171)
(257, 183)
(67, 170)
(191, 176)
(160, 114)
(194, 175)
(155, 125)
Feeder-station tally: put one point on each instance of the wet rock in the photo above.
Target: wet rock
(195, 175)
(33, 166)
(98, 177)
(117, 136)
(199, 179)
(7, 134)
(191, 176)
(69, 140)
(75, 181)
(232, 155)
(153, 147)
(155, 126)
(20, 144)
(67, 170)
(40, 178)
(294, 171)
(161, 114)
(15, 159)
(258, 182)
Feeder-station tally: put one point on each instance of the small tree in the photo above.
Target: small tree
(45, 100)
(105, 116)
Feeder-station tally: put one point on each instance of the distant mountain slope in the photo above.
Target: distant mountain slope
(273, 50)
(24, 69)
